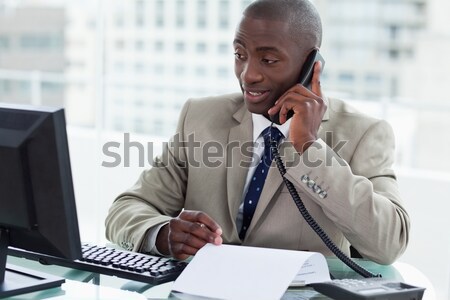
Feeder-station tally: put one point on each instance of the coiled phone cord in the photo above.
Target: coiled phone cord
(310, 220)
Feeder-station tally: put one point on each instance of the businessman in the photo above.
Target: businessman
(338, 159)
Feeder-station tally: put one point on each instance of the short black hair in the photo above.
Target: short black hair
(301, 15)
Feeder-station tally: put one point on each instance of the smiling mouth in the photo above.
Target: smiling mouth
(255, 97)
(256, 93)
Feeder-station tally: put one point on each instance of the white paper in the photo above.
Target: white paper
(314, 269)
(237, 272)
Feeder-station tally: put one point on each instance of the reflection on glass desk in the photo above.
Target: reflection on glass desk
(76, 290)
(76, 286)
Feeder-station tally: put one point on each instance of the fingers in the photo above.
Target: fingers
(185, 244)
(297, 99)
(197, 230)
(190, 231)
(299, 92)
(202, 218)
(188, 239)
(284, 110)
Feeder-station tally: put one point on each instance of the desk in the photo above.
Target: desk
(76, 286)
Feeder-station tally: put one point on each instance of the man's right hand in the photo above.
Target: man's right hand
(187, 233)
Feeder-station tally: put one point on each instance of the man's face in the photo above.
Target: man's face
(267, 61)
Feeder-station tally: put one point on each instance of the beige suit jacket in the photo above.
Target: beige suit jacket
(344, 179)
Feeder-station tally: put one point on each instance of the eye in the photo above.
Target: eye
(239, 56)
(269, 61)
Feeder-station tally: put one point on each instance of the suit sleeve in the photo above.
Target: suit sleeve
(360, 196)
(157, 196)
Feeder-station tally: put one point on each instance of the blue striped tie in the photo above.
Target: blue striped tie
(258, 179)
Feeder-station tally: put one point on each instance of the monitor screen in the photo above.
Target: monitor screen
(37, 203)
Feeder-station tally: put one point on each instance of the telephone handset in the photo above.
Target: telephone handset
(308, 68)
(305, 77)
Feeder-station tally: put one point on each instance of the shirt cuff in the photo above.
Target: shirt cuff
(150, 243)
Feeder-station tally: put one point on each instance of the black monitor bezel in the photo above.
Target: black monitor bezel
(50, 224)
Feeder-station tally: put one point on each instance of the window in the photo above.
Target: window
(222, 72)
(159, 13)
(159, 69)
(120, 102)
(158, 125)
(139, 103)
(180, 47)
(180, 70)
(119, 22)
(25, 87)
(49, 87)
(394, 54)
(139, 67)
(394, 87)
(119, 67)
(201, 14)
(224, 16)
(420, 8)
(118, 124)
(41, 42)
(393, 31)
(180, 22)
(223, 48)
(119, 44)
(139, 125)
(139, 45)
(140, 5)
(200, 47)
(200, 71)
(180, 13)
(159, 45)
(346, 78)
(158, 105)
(140, 20)
(5, 86)
(245, 3)
(4, 43)
(373, 79)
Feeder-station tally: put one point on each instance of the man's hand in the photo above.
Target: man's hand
(187, 233)
(308, 107)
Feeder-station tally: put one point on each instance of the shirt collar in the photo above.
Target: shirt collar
(260, 123)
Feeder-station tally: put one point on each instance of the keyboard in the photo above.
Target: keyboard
(141, 267)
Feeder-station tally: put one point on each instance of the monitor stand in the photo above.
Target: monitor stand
(17, 280)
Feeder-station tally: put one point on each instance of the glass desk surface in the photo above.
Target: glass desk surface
(118, 288)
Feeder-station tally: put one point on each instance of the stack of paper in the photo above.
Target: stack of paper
(237, 272)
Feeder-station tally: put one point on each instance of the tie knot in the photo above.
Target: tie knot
(271, 133)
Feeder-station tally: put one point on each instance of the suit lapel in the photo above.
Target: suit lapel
(236, 172)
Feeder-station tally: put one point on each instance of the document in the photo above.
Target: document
(238, 272)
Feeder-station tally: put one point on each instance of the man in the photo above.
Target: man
(338, 159)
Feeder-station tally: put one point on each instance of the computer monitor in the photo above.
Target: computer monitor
(37, 202)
